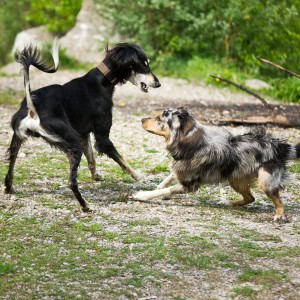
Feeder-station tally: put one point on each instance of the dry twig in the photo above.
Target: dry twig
(279, 67)
(265, 103)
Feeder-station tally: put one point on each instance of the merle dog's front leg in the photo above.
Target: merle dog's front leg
(105, 145)
(164, 192)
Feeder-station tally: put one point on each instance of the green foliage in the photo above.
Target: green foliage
(17, 15)
(12, 20)
(58, 15)
(288, 89)
(200, 68)
(65, 61)
(236, 30)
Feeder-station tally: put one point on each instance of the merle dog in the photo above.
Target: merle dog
(65, 115)
(203, 155)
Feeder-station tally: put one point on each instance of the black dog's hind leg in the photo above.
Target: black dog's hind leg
(89, 154)
(74, 159)
(12, 153)
(70, 144)
(105, 145)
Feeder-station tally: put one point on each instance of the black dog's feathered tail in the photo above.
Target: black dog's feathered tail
(297, 148)
(31, 55)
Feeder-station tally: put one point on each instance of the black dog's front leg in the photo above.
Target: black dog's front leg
(89, 154)
(105, 145)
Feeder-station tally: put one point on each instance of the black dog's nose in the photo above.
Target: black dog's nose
(157, 84)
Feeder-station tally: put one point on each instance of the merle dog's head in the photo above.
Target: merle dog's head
(172, 122)
(128, 62)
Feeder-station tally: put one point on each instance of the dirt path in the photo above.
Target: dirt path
(190, 247)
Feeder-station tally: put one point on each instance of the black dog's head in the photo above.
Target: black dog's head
(128, 62)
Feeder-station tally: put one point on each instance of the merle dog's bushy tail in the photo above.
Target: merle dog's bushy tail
(32, 56)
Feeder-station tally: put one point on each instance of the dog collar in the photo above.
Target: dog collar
(106, 71)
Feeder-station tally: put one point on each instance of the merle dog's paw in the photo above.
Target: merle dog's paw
(141, 195)
(280, 218)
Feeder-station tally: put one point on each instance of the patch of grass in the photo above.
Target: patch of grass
(243, 291)
(193, 251)
(114, 173)
(49, 202)
(159, 169)
(6, 268)
(151, 151)
(295, 167)
(266, 278)
(251, 249)
(152, 222)
(253, 235)
(11, 97)
(87, 227)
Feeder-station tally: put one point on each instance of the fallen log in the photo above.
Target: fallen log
(275, 118)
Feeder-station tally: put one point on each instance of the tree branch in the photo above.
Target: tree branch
(265, 103)
(279, 67)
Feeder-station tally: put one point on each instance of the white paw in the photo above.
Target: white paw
(139, 177)
(279, 218)
(160, 186)
(142, 195)
(98, 176)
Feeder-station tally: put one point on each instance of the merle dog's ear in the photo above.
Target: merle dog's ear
(187, 121)
(187, 125)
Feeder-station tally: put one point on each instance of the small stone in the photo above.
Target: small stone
(257, 84)
(22, 155)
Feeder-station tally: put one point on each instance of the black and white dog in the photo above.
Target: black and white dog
(65, 115)
(206, 156)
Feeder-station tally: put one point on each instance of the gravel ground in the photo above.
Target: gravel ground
(175, 215)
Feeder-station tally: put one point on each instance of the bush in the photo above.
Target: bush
(234, 30)
(17, 15)
(12, 20)
(58, 15)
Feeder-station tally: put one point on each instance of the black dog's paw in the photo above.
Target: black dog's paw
(8, 190)
(86, 209)
(98, 176)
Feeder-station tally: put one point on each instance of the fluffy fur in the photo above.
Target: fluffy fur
(65, 115)
(206, 156)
